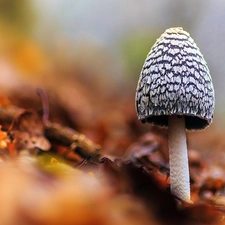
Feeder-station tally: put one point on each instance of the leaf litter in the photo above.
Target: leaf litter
(53, 174)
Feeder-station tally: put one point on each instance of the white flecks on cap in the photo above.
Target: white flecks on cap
(176, 80)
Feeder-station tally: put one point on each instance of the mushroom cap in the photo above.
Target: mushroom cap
(175, 80)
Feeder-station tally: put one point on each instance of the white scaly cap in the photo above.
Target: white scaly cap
(175, 80)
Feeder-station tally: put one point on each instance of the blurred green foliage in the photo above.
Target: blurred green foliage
(18, 14)
(135, 48)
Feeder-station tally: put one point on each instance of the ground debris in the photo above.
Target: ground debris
(96, 185)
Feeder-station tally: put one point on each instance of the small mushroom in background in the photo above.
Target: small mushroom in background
(175, 90)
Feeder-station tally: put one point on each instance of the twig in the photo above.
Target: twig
(68, 137)
(45, 104)
(76, 141)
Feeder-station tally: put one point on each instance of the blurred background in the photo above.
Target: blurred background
(87, 56)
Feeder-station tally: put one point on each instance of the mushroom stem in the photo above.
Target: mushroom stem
(179, 169)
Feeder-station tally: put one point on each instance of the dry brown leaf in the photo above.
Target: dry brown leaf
(27, 132)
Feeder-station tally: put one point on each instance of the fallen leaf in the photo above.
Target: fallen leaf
(27, 132)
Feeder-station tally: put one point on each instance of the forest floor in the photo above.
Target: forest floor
(61, 163)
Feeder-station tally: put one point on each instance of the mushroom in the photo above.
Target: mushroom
(175, 90)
